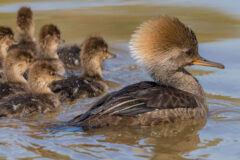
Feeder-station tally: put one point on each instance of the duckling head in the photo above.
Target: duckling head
(41, 75)
(94, 52)
(25, 24)
(16, 63)
(165, 45)
(49, 39)
(6, 40)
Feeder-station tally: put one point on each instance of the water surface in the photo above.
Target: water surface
(217, 137)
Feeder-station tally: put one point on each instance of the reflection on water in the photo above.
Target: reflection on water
(213, 138)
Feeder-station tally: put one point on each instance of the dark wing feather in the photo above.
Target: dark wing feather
(7, 89)
(140, 98)
(75, 87)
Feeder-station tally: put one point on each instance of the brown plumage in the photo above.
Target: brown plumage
(25, 30)
(91, 82)
(38, 99)
(164, 46)
(49, 39)
(6, 40)
(15, 65)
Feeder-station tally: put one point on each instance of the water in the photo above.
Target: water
(218, 30)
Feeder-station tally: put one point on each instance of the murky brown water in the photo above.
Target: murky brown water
(217, 137)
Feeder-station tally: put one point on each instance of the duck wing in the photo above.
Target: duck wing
(140, 98)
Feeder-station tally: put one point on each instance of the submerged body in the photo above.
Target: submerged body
(163, 46)
(91, 83)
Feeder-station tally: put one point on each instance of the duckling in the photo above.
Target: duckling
(91, 83)
(70, 54)
(163, 46)
(38, 99)
(25, 29)
(15, 65)
(49, 39)
(6, 40)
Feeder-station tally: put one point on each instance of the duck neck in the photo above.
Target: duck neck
(48, 52)
(180, 79)
(39, 85)
(13, 75)
(3, 51)
(92, 69)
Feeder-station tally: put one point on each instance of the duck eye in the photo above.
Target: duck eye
(53, 73)
(188, 52)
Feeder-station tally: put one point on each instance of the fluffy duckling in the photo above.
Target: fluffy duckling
(70, 54)
(15, 65)
(38, 99)
(91, 82)
(25, 29)
(163, 46)
(6, 40)
(49, 39)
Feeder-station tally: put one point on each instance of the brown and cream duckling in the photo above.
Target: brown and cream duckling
(70, 54)
(49, 39)
(163, 46)
(6, 40)
(91, 83)
(25, 30)
(15, 65)
(38, 99)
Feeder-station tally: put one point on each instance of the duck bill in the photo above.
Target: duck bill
(59, 77)
(111, 55)
(203, 62)
(62, 41)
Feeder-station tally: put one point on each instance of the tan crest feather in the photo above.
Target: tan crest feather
(159, 35)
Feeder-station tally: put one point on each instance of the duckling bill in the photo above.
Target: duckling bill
(163, 46)
(38, 99)
(91, 83)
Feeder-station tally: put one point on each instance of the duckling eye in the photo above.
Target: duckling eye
(53, 74)
(188, 52)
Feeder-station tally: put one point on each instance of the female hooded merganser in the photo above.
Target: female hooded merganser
(6, 40)
(25, 29)
(164, 46)
(38, 99)
(15, 65)
(91, 83)
(49, 39)
(70, 54)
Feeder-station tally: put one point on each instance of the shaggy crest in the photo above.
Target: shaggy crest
(24, 18)
(157, 36)
(48, 29)
(4, 31)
